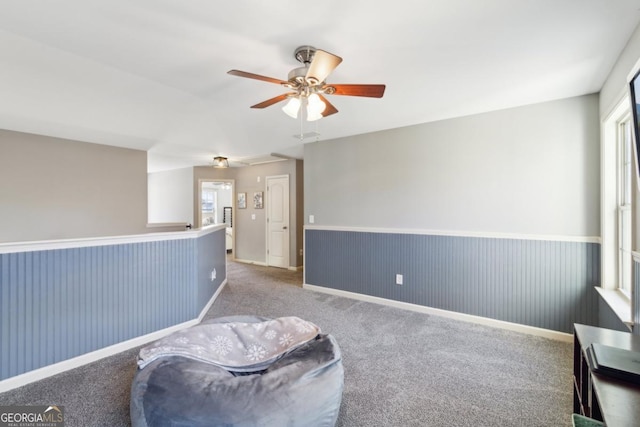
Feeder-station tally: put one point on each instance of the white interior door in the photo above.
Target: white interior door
(277, 205)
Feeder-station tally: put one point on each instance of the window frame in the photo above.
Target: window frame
(624, 226)
(620, 302)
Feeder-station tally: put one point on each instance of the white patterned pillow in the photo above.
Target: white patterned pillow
(236, 346)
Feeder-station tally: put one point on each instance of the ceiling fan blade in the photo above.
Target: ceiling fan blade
(322, 65)
(329, 109)
(256, 76)
(370, 91)
(273, 100)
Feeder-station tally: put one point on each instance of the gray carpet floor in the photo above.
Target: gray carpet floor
(402, 368)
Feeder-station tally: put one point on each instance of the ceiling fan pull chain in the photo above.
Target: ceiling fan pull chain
(301, 121)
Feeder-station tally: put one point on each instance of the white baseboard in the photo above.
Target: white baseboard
(84, 359)
(212, 300)
(246, 261)
(264, 264)
(532, 330)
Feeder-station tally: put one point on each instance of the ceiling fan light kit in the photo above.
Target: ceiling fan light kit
(315, 107)
(308, 85)
(292, 107)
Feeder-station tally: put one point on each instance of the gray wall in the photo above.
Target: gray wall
(530, 173)
(527, 170)
(616, 84)
(250, 235)
(52, 188)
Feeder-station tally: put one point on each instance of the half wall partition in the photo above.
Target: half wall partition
(69, 302)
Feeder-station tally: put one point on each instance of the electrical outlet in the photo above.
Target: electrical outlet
(301, 252)
(213, 275)
(399, 279)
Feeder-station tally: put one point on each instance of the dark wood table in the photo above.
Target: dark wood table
(607, 399)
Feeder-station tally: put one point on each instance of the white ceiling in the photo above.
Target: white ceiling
(151, 74)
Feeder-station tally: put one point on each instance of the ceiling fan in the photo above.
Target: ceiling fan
(308, 85)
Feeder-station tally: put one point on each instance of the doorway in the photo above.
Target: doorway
(277, 205)
(216, 206)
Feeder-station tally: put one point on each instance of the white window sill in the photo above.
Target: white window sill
(618, 302)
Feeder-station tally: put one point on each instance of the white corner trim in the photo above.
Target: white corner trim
(531, 330)
(84, 359)
(212, 300)
(455, 233)
(633, 71)
(618, 302)
(46, 245)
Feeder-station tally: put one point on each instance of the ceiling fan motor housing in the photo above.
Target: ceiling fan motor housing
(297, 75)
(305, 54)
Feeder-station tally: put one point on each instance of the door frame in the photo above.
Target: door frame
(233, 206)
(266, 220)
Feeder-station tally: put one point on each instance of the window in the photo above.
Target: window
(617, 199)
(624, 196)
(208, 201)
(209, 208)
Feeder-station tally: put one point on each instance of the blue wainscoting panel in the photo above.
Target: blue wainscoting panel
(212, 255)
(546, 284)
(61, 303)
(608, 319)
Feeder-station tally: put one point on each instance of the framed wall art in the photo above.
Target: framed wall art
(242, 200)
(257, 200)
